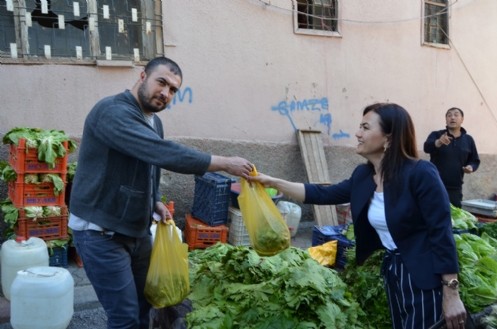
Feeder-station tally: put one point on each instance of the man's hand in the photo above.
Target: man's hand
(468, 169)
(162, 211)
(232, 165)
(443, 140)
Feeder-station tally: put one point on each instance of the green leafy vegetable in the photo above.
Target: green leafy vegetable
(57, 243)
(7, 173)
(366, 285)
(55, 179)
(462, 219)
(71, 170)
(51, 211)
(31, 179)
(33, 212)
(233, 287)
(49, 143)
(478, 270)
(10, 213)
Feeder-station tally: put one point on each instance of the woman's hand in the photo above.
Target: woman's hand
(265, 180)
(295, 191)
(453, 308)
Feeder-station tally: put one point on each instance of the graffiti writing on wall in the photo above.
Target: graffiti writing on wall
(318, 105)
(180, 97)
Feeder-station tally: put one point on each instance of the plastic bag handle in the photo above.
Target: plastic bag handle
(254, 171)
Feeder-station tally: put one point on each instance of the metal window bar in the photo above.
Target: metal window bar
(436, 22)
(7, 29)
(82, 29)
(318, 15)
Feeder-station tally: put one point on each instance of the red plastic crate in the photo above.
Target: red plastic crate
(25, 160)
(200, 235)
(24, 195)
(47, 228)
(485, 219)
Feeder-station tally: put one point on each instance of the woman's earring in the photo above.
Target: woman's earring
(385, 147)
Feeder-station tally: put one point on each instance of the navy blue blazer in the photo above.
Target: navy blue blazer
(417, 211)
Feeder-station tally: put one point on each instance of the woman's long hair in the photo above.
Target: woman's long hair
(397, 124)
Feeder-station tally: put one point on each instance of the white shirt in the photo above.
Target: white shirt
(377, 219)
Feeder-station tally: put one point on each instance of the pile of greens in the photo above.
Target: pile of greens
(49, 143)
(366, 284)
(233, 287)
(462, 219)
(478, 270)
(490, 229)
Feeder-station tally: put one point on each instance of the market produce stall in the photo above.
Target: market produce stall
(233, 287)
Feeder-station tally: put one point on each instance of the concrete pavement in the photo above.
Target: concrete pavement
(88, 313)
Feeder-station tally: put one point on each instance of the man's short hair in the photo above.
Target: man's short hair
(455, 108)
(162, 60)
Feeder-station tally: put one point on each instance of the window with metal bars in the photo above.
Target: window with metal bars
(84, 29)
(319, 16)
(436, 22)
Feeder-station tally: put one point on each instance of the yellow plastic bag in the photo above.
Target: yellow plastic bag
(326, 253)
(265, 225)
(168, 281)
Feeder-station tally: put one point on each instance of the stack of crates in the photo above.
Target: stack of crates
(25, 161)
(206, 225)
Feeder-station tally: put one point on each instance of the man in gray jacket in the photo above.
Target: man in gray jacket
(115, 188)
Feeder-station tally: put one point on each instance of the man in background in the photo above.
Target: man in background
(454, 153)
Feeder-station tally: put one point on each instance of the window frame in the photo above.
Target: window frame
(315, 32)
(151, 10)
(426, 22)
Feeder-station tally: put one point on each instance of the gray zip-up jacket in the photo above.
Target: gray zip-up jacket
(112, 184)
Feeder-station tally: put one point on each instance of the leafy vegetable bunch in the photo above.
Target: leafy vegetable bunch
(462, 219)
(233, 287)
(8, 174)
(366, 285)
(490, 229)
(57, 243)
(478, 270)
(11, 213)
(49, 143)
(71, 170)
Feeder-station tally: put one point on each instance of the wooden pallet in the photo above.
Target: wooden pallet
(316, 166)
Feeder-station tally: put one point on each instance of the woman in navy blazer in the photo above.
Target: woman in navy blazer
(398, 203)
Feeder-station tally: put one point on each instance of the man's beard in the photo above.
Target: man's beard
(145, 103)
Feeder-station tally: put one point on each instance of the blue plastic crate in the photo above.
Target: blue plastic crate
(212, 198)
(57, 256)
(323, 234)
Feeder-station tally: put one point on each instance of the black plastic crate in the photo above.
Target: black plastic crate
(212, 198)
(323, 234)
(58, 257)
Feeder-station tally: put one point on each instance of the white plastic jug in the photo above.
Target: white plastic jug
(42, 298)
(291, 212)
(18, 255)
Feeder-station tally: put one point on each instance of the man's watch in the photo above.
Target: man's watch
(452, 283)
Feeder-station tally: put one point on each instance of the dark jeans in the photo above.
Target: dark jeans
(117, 268)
